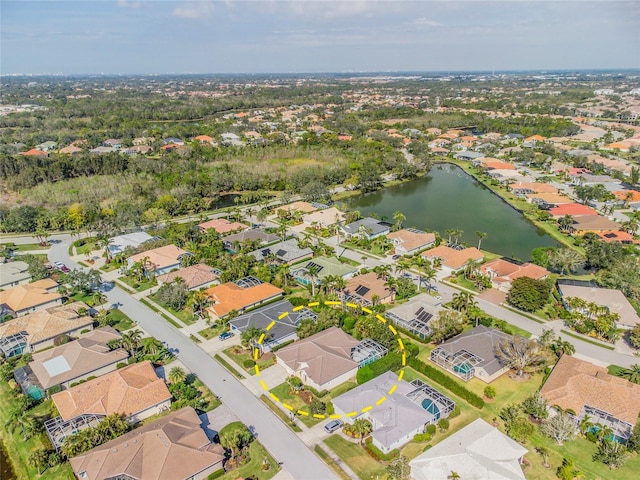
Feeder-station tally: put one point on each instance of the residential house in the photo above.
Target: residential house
(550, 199)
(368, 289)
(174, 140)
(453, 259)
(172, 447)
(593, 223)
(77, 360)
(322, 268)
(46, 146)
(138, 150)
(14, 273)
(503, 272)
(38, 330)
(101, 150)
(258, 235)
(204, 139)
(323, 218)
(585, 390)
(286, 252)
(323, 360)
(113, 142)
(120, 243)
(222, 226)
(611, 236)
(34, 152)
(282, 317)
(70, 150)
(468, 156)
(409, 241)
(30, 297)
(524, 188)
(415, 315)
(368, 228)
(240, 295)
(472, 354)
(160, 260)
(572, 209)
(303, 207)
(609, 298)
(194, 277)
(398, 417)
(134, 391)
(478, 451)
(231, 140)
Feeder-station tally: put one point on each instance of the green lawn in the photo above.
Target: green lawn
(283, 392)
(183, 315)
(283, 416)
(123, 322)
(353, 455)
(329, 461)
(212, 331)
(253, 469)
(88, 298)
(18, 449)
(228, 366)
(26, 247)
(239, 355)
(138, 286)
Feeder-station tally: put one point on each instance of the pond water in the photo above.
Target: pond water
(448, 198)
(6, 470)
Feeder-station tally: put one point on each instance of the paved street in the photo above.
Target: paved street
(300, 462)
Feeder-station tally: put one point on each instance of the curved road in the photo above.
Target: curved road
(300, 462)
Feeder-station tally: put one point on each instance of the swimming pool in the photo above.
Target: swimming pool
(430, 406)
(463, 368)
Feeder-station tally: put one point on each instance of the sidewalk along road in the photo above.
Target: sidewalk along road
(277, 438)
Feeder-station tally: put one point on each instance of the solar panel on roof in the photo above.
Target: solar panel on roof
(424, 316)
(281, 253)
(419, 311)
(362, 290)
(314, 266)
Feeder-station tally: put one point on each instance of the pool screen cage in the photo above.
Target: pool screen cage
(367, 351)
(28, 382)
(619, 428)
(439, 404)
(418, 325)
(58, 429)
(461, 363)
(13, 344)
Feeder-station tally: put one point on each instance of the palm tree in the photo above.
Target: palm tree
(28, 425)
(151, 346)
(383, 271)
(250, 336)
(38, 460)
(585, 425)
(453, 476)
(198, 301)
(544, 453)
(312, 275)
(562, 347)
(398, 217)
(462, 301)
(480, 235)
(457, 233)
(449, 232)
(565, 260)
(362, 427)
(565, 223)
(632, 373)
(176, 375)
(130, 341)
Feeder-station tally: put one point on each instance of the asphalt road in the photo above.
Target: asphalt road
(277, 438)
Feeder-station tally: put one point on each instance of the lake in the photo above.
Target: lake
(448, 198)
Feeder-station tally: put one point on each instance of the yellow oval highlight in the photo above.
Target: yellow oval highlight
(380, 401)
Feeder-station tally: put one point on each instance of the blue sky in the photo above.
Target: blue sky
(167, 36)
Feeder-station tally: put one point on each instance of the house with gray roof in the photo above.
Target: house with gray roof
(398, 417)
(415, 315)
(254, 235)
(283, 329)
(468, 155)
(368, 227)
(14, 273)
(478, 451)
(472, 354)
(323, 267)
(285, 252)
(119, 243)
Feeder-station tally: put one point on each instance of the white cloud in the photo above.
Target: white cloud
(427, 22)
(192, 10)
(129, 4)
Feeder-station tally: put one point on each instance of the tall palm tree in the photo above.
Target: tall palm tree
(198, 301)
(398, 218)
(480, 235)
(176, 375)
(312, 275)
(362, 427)
(565, 223)
(632, 373)
(449, 233)
(131, 341)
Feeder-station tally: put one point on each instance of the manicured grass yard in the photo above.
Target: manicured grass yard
(27, 247)
(183, 315)
(212, 331)
(253, 469)
(353, 455)
(239, 355)
(18, 449)
(145, 284)
(123, 321)
(283, 392)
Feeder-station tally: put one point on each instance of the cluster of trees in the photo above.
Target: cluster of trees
(529, 294)
(591, 319)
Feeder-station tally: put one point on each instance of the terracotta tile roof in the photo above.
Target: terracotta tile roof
(323, 356)
(537, 138)
(193, 276)
(160, 257)
(573, 209)
(368, 285)
(594, 223)
(48, 323)
(29, 295)
(498, 165)
(503, 271)
(550, 198)
(574, 383)
(35, 152)
(203, 138)
(229, 296)
(535, 187)
(412, 239)
(325, 217)
(77, 358)
(616, 236)
(173, 447)
(222, 225)
(129, 390)
(453, 258)
(622, 194)
(70, 149)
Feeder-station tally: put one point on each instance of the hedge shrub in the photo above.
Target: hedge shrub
(282, 345)
(376, 453)
(422, 437)
(216, 474)
(444, 380)
(390, 362)
(248, 363)
(318, 394)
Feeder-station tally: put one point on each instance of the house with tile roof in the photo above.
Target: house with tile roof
(472, 354)
(323, 267)
(400, 416)
(368, 228)
(592, 223)
(258, 235)
(194, 277)
(551, 199)
(572, 209)
(77, 360)
(36, 331)
(222, 226)
(323, 360)
(14, 273)
(134, 391)
(34, 152)
(303, 207)
(323, 218)
(409, 241)
(415, 314)
(582, 388)
(503, 272)
(523, 188)
(248, 292)
(364, 289)
(172, 447)
(30, 297)
(160, 260)
(453, 259)
(478, 451)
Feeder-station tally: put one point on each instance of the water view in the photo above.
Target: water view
(448, 198)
